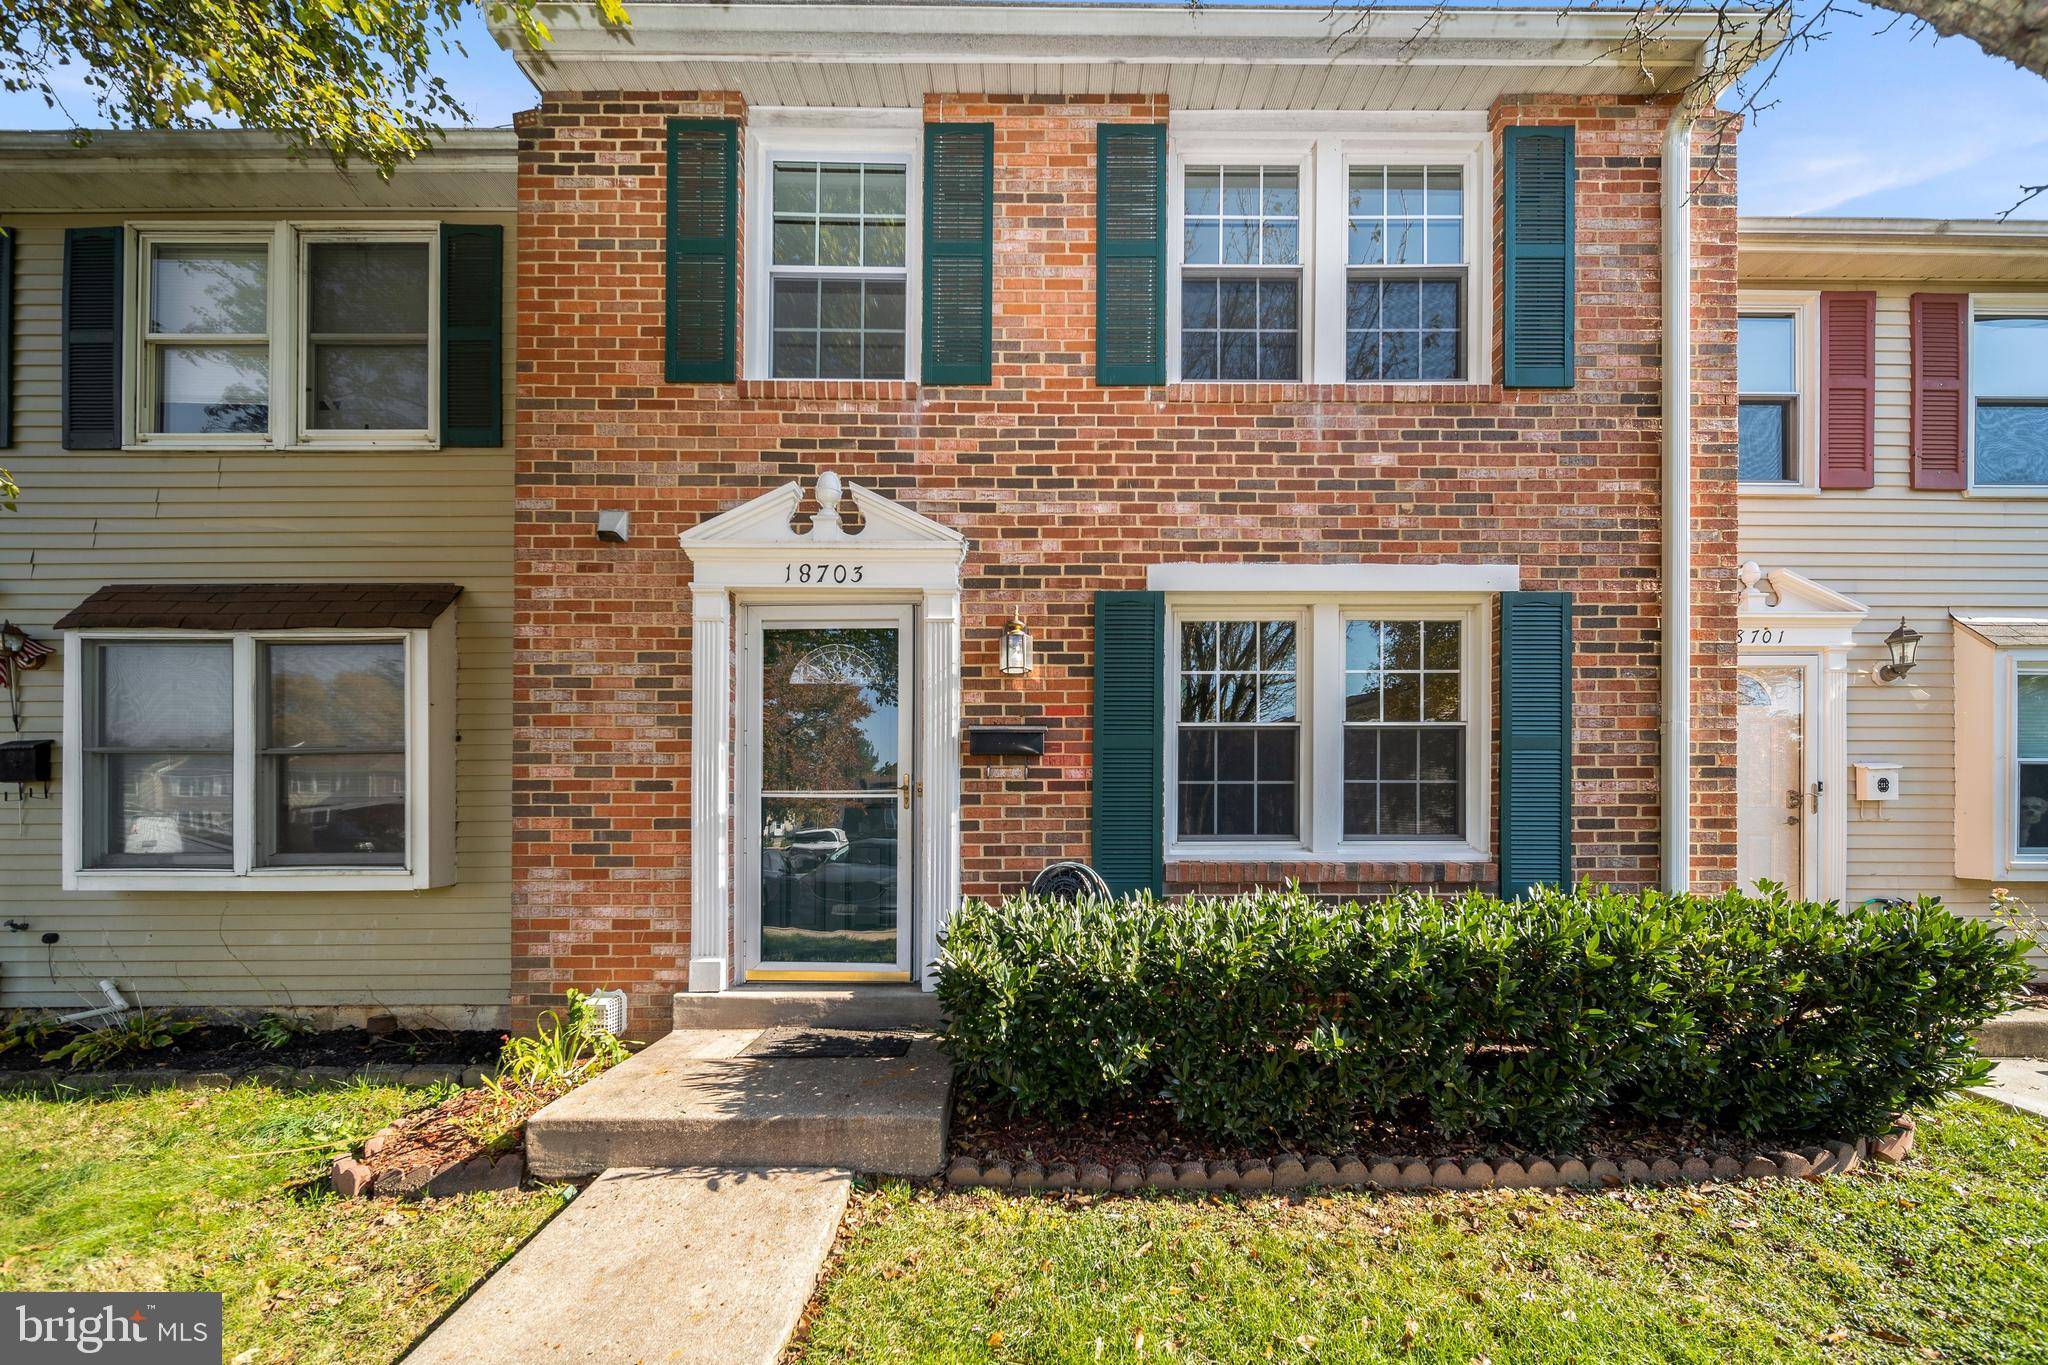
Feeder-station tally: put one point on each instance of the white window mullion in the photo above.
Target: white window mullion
(284, 309)
(1323, 718)
(1325, 253)
(245, 703)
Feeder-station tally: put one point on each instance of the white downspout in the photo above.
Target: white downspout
(1677, 671)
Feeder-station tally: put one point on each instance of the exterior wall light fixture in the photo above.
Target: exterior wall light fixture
(1016, 649)
(1904, 645)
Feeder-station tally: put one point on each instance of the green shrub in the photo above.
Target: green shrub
(135, 1032)
(1277, 1016)
(567, 1048)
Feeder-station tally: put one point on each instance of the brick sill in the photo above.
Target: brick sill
(834, 390)
(1363, 395)
(1311, 871)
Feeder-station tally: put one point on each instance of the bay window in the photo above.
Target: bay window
(302, 758)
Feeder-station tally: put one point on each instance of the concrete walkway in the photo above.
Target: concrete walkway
(2021, 1084)
(2021, 1033)
(677, 1265)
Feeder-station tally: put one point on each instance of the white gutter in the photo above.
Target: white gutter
(1677, 671)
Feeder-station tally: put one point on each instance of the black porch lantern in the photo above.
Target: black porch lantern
(1904, 645)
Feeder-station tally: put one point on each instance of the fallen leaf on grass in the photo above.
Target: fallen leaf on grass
(1408, 1330)
(1886, 1335)
(995, 1338)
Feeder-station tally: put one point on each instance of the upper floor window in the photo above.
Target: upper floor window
(1346, 254)
(1404, 306)
(1767, 366)
(840, 269)
(2009, 381)
(229, 316)
(1240, 311)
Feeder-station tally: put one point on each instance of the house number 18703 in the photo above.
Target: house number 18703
(821, 573)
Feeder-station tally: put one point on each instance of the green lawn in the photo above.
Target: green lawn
(180, 1189)
(1946, 1258)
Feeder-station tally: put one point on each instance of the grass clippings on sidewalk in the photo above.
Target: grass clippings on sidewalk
(194, 1189)
(1944, 1259)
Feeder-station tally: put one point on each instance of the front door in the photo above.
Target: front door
(825, 782)
(1770, 764)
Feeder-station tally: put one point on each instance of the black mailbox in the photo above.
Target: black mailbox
(1006, 741)
(25, 760)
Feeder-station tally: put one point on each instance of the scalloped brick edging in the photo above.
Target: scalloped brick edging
(287, 1077)
(1413, 1173)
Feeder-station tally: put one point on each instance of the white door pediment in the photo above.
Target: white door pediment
(1786, 608)
(757, 545)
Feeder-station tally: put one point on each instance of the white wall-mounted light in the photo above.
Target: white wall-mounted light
(1016, 649)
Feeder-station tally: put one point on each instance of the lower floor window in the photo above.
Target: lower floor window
(318, 770)
(1323, 725)
(2032, 763)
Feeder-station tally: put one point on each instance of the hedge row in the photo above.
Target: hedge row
(1277, 1016)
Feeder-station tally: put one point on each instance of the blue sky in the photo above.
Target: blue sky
(1872, 120)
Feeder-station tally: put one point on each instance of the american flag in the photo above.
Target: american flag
(29, 657)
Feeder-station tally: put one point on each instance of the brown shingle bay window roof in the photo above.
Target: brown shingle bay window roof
(262, 606)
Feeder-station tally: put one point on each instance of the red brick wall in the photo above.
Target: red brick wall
(1063, 488)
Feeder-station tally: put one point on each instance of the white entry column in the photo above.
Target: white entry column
(938, 807)
(710, 788)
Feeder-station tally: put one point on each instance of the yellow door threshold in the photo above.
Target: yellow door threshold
(830, 978)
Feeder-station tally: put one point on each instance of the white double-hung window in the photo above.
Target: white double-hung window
(2009, 389)
(1330, 725)
(1349, 252)
(832, 257)
(285, 335)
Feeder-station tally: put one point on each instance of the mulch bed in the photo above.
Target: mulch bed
(223, 1047)
(1147, 1133)
(470, 1141)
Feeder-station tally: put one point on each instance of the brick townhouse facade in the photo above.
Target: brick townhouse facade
(1292, 500)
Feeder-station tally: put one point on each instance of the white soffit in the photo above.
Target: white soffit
(1200, 57)
(240, 169)
(1951, 250)
(1303, 580)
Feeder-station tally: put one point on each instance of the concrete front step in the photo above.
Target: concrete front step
(694, 1267)
(2020, 1033)
(692, 1100)
(839, 1007)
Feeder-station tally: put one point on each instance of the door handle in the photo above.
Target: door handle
(906, 788)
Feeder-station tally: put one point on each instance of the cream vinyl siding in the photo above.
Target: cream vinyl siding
(90, 518)
(1923, 555)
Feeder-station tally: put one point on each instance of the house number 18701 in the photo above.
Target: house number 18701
(821, 573)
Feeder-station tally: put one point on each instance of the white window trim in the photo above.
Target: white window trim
(1325, 150)
(872, 136)
(1804, 307)
(1319, 702)
(288, 343)
(2009, 862)
(305, 436)
(429, 767)
(2003, 305)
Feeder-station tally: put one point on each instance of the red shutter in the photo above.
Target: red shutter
(1848, 389)
(1941, 390)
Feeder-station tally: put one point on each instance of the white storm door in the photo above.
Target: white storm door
(1775, 825)
(826, 779)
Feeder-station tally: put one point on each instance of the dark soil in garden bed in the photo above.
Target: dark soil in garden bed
(1147, 1133)
(224, 1047)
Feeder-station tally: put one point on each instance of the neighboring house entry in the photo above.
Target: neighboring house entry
(825, 734)
(1791, 760)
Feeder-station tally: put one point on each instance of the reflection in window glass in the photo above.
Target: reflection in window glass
(207, 358)
(161, 761)
(367, 335)
(2009, 375)
(2032, 747)
(333, 753)
(1767, 373)
(829, 709)
(1241, 277)
(1404, 731)
(838, 248)
(1404, 299)
(1239, 734)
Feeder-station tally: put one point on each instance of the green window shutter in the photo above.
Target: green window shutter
(1130, 253)
(1535, 740)
(472, 335)
(1129, 740)
(91, 329)
(703, 251)
(1539, 251)
(959, 251)
(6, 337)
